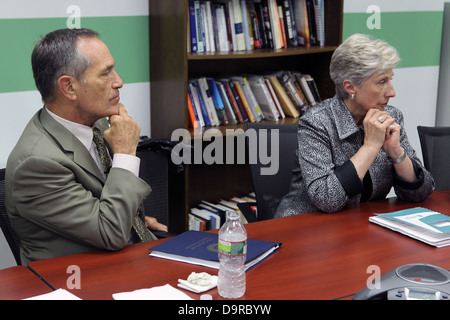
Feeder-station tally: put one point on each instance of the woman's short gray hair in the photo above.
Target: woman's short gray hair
(358, 58)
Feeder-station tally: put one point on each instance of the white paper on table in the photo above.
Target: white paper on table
(166, 292)
(59, 294)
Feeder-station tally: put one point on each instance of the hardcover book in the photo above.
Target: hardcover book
(286, 103)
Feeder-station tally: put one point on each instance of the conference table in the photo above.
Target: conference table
(19, 282)
(323, 256)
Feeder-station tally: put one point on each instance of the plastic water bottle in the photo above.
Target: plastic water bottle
(232, 255)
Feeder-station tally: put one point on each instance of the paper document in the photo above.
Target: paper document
(166, 292)
(60, 294)
(419, 223)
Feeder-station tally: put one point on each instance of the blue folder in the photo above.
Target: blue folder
(200, 248)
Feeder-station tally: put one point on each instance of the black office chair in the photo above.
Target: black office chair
(270, 189)
(435, 144)
(8, 231)
(154, 170)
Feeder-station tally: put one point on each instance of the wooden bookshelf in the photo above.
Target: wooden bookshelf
(171, 65)
(258, 53)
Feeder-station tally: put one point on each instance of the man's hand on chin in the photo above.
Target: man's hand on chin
(123, 134)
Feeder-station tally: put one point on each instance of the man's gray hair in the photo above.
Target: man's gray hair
(358, 58)
(56, 55)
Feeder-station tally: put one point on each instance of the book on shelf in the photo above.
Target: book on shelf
(217, 101)
(222, 35)
(211, 219)
(275, 98)
(192, 27)
(211, 26)
(235, 99)
(229, 96)
(248, 32)
(287, 80)
(244, 100)
(196, 107)
(208, 215)
(275, 24)
(231, 29)
(255, 25)
(238, 25)
(423, 224)
(199, 26)
(313, 87)
(286, 103)
(302, 84)
(238, 100)
(292, 35)
(192, 113)
(248, 97)
(315, 11)
(308, 86)
(266, 31)
(200, 248)
(229, 110)
(319, 9)
(302, 23)
(283, 26)
(262, 95)
(197, 98)
(235, 7)
(206, 95)
(313, 37)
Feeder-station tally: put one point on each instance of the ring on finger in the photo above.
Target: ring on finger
(381, 119)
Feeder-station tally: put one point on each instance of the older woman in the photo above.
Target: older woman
(353, 147)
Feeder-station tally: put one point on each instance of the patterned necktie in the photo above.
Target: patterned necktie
(141, 230)
(101, 148)
(139, 227)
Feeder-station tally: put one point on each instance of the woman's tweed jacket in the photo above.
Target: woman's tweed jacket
(324, 178)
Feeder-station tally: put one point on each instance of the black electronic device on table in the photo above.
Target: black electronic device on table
(417, 281)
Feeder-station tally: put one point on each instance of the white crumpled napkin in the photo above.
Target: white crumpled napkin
(198, 282)
(166, 292)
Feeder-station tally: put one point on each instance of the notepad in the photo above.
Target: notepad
(200, 248)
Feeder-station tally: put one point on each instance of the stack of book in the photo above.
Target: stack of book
(237, 25)
(250, 98)
(209, 216)
(426, 225)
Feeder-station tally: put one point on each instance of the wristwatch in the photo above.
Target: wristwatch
(400, 159)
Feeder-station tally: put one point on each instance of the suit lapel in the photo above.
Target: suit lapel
(72, 147)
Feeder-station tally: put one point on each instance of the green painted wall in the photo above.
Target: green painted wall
(415, 34)
(126, 37)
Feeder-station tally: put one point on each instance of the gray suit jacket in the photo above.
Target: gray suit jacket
(324, 179)
(58, 201)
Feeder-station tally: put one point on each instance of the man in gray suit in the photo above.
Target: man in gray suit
(60, 197)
